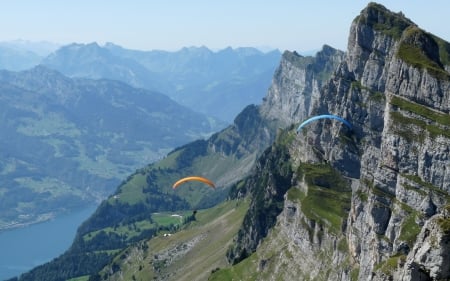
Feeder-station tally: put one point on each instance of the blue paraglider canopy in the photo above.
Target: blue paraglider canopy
(324, 117)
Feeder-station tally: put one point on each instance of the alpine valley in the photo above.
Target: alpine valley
(324, 203)
(67, 142)
(73, 128)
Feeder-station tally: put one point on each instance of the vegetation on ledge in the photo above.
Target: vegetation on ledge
(385, 21)
(419, 49)
(328, 198)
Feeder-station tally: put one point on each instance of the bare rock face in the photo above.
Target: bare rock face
(400, 110)
(296, 84)
(430, 257)
(393, 85)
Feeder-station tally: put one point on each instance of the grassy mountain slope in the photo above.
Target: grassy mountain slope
(126, 216)
(264, 248)
(198, 254)
(191, 253)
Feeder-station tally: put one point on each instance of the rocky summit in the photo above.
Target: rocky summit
(371, 203)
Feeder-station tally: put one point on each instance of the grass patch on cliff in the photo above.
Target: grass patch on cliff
(327, 207)
(381, 192)
(410, 229)
(354, 274)
(322, 175)
(286, 137)
(414, 56)
(393, 23)
(390, 265)
(418, 180)
(412, 52)
(444, 222)
(421, 110)
(373, 95)
(404, 129)
(295, 194)
(362, 195)
(409, 187)
(444, 50)
(328, 198)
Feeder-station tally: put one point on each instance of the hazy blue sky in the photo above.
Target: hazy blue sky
(172, 24)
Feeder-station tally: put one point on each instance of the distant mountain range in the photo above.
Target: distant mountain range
(66, 142)
(218, 84)
(21, 54)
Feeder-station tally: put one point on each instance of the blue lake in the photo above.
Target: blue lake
(22, 249)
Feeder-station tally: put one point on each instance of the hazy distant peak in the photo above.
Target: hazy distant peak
(112, 46)
(79, 49)
(41, 48)
(76, 45)
(193, 49)
(248, 51)
(326, 48)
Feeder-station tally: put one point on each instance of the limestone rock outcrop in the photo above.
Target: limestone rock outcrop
(371, 203)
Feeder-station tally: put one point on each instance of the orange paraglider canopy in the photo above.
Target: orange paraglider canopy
(193, 178)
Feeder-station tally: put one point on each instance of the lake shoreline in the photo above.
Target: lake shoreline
(40, 219)
(29, 245)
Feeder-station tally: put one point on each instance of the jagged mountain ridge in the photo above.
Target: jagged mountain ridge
(392, 219)
(226, 157)
(218, 84)
(68, 142)
(297, 84)
(96, 62)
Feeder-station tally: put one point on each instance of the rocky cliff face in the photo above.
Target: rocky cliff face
(296, 84)
(371, 203)
(406, 173)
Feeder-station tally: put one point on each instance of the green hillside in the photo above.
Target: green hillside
(128, 216)
(192, 253)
